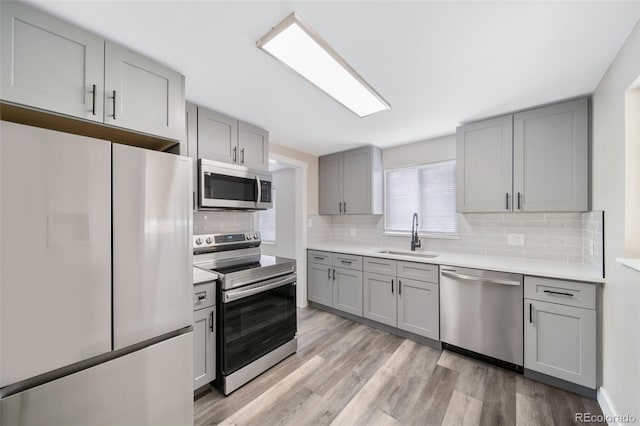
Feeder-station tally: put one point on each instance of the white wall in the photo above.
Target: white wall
(621, 293)
(312, 172)
(284, 182)
(437, 149)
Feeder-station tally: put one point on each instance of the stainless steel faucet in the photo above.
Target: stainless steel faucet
(415, 242)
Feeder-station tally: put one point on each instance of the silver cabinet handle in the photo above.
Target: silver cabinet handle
(519, 204)
(234, 154)
(391, 285)
(242, 156)
(211, 317)
(318, 257)
(559, 293)
(232, 295)
(348, 262)
(399, 288)
(201, 296)
(479, 279)
(334, 273)
(507, 201)
(328, 273)
(340, 206)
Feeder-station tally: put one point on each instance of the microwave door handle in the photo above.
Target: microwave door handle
(259, 189)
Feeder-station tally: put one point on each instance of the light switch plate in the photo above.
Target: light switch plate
(515, 239)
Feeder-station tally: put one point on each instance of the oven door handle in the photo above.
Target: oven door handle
(230, 296)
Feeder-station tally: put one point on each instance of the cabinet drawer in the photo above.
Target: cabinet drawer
(378, 265)
(320, 257)
(347, 261)
(571, 293)
(418, 271)
(204, 295)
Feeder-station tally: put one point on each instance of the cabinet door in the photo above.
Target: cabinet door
(347, 291)
(357, 181)
(253, 146)
(418, 308)
(380, 298)
(320, 288)
(550, 154)
(142, 95)
(331, 178)
(49, 64)
(484, 166)
(560, 341)
(217, 136)
(204, 347)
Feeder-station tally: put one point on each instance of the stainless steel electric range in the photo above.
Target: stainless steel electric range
(256, 325)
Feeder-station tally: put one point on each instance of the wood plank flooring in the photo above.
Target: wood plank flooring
(346, 373)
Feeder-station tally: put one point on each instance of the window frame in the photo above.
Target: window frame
(401, 233)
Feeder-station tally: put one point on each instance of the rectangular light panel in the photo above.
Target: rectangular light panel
(298, 46)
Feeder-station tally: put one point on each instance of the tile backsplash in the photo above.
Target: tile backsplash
(560, 237)
(593, 240)
(216, 222)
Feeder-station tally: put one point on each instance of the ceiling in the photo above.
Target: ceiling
(438, 64)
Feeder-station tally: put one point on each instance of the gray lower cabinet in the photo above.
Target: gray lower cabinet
(142, 95)
(560, 329)
(347, 290)
(319, 284)
(204, 347)
(49, 64)
(418, 308)
(380, 298)
(350, 182)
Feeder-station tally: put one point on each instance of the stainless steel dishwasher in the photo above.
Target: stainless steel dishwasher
(481, 312)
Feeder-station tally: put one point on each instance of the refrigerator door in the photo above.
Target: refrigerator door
(152, 252)
(135, 389)
(55, 250)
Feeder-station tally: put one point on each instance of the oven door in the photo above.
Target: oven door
(255, 320)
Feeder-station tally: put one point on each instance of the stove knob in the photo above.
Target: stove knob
(209, 240)
(248, 237)
(199, 241)
(255, 236)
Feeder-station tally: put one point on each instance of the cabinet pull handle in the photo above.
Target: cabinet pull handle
(507, 201)
(114, 104)
(235, 154)
(211, 322)
(530, 313)
(561, 293)
(392, 286)
(340, 206)
(348, 262)
(318, 257)
(201, 296)
(93, 102)
(334, 274)
(328, 273)
(519, 208)
(344, 207)
(242, 156)
(399, 288)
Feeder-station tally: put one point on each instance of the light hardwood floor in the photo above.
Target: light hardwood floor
(346, 373)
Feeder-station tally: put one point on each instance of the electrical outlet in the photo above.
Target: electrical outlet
(515, 239)
(352, 231)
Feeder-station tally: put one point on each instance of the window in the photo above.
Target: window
(267, 220)
(430, 191)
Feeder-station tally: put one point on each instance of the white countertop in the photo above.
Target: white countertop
(539, 268)
(202, 276)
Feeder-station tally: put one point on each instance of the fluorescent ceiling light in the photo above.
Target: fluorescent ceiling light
(298, 46)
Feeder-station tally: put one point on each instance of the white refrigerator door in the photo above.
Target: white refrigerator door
(152, 386)
(55, 250)
(152, 247)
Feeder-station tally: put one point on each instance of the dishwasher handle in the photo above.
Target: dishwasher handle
(453, 274)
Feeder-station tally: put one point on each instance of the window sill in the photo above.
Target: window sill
(420, 234)
(630, 263)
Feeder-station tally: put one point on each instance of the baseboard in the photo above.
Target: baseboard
(606, 406)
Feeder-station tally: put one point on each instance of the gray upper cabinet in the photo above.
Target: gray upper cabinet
(331, 191)
(49, 64)
(531, 161)
(380, 298)
(550, 154)
(484, 166)
(347, 290)
(253, 146)
(351, 182)
(142, 95)
(217, 136)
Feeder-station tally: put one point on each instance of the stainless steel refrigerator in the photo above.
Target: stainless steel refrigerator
(95, 282)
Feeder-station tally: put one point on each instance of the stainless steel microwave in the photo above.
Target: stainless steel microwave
(228, 186)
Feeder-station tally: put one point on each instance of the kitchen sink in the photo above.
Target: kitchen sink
(409, 253)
